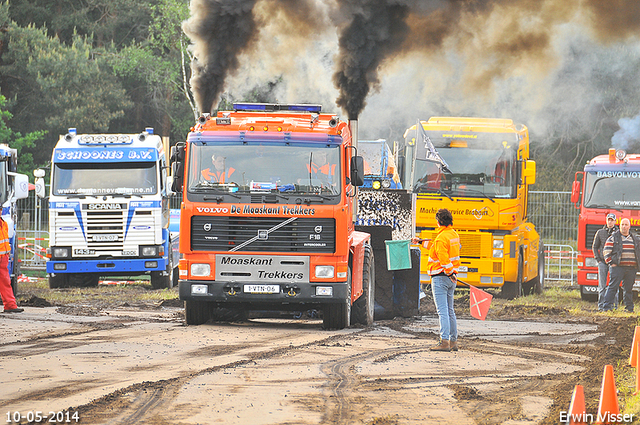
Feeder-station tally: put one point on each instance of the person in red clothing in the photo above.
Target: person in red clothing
(6, 291)
(217, 173)
(621, 252)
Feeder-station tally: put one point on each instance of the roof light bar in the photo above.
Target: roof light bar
(269, 107)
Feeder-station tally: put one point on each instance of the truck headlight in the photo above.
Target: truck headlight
(497, 253)
(592, 276)
(591, 262)
(324, 272)
(200, 269)
(498, 243)
(149, 251)
(57, 252)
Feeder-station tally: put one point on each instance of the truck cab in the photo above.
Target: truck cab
(109, 210)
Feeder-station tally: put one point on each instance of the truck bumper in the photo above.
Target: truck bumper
(282, 293)
(110, 266)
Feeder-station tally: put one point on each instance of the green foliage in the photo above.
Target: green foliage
(53, 86)
(106, 21)
(155, 71)
(16, 140)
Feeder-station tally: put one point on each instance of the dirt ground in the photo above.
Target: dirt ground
(112, 360)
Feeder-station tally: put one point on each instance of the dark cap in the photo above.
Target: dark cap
(611, 215)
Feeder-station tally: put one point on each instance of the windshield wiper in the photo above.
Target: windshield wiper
(424, 186)
(124, 194)
(77, 195)
(481, 193)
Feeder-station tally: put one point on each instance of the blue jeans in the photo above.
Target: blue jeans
(618, 274)
(443, 288)
(603, 270)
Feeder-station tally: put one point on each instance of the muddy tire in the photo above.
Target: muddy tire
(158, 281)
(83, 280)
(364, 306)
(16, 275)
(60, 280)
(196, 312)
(229, 314)
(338, 315)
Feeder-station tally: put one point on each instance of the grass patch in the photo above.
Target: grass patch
(132, 292)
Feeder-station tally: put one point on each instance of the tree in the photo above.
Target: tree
(52, 86)
(155, 72)
(16, 140)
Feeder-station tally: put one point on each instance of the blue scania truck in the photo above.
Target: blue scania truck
(109, 210)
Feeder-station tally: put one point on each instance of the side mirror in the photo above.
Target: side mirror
(357, 171)
(20, 185)
(575, 192)
(177, 167)
(177, 176)
(530, 171)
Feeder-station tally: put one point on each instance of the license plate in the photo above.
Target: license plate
(105, 238)
(262, 289)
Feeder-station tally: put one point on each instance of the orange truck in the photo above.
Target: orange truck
(267, 216)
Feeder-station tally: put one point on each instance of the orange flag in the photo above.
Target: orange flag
(479, 302)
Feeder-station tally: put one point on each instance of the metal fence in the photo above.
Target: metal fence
(555, 218)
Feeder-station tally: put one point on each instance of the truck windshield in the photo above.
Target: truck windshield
(481, 164)
(133, 178)
(615, 189)
(256, 168)
(375, 154)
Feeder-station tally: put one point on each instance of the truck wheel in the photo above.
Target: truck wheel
(174, 277)
(196, 312)
(511, 290)
(227, 314)
(83, 280)
(338, 316)
(538, 284)
(160, 282)
(58, 281)
(364, 306)
(16, 275)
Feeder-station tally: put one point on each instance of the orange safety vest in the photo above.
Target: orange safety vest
(326, 169)
(5, 246)
(217, 176)
(444, 252)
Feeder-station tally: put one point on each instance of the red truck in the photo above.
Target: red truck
(267, 216)
(609, 183)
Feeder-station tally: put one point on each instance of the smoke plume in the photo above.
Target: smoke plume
(558, 66)
(219, 30)
(375, 33)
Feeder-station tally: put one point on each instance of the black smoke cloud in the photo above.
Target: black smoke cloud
(491, 40)
(375, 32)
(220, 30)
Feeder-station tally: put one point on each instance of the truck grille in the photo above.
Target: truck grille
(102, 226)
(312, 235)
(591, 231)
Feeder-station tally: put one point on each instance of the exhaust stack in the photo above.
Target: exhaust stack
(353, 128)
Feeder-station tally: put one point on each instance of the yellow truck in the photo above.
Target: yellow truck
(479, 169)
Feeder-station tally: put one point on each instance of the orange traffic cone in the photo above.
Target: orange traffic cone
(608, 405)
(577, 410)
(637, 347)
(636, 340)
